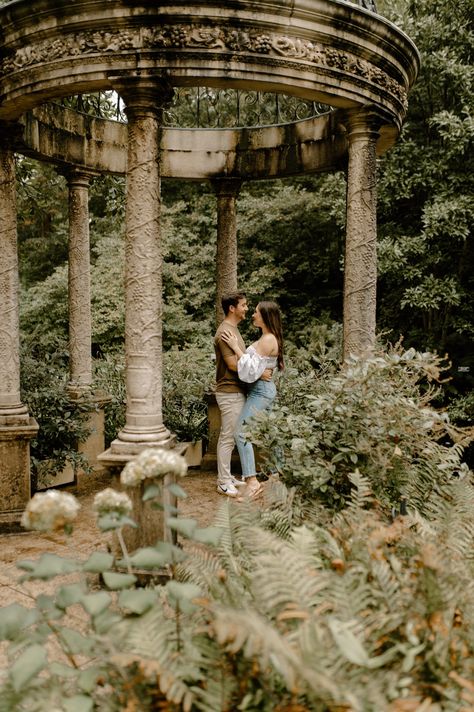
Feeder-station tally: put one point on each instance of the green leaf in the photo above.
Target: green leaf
(113, 521)
(173, 553)
(208, 535)
(98, 562)
(186, 527)
(69, 595)
(149, 558)
(178, 491)
(27, 666)
(50, 565)
(138, 601)
(87, 680)
(14, 618)
(151, 492)
(47, 604)
(181, 591)
(61, 670)
(75, 642)
(116, 581)
(105, 621)
(26, 564)
(78, 703)
(95, 603)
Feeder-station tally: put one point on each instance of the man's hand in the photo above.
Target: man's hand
(267, 375)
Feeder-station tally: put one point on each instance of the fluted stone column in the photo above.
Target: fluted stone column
(360, 264)
(144, 99)
(80, 320)
(16, 426)
(227, 191)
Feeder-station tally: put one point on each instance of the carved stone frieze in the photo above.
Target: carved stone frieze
(184, 37)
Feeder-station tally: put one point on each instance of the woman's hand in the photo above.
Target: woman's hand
(230, 339)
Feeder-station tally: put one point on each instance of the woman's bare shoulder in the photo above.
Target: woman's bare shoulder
(267, 345)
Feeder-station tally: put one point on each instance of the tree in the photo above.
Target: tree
(426, 211)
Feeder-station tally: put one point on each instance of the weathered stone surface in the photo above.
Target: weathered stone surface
(333, 52)
(15, 472)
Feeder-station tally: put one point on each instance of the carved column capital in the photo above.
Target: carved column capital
(362, 124)
(226, 187)
(143, 96)
(77, 177)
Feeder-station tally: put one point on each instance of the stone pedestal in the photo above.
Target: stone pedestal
(94, 445)
(16, 426)
(15, 488)
(151, 522)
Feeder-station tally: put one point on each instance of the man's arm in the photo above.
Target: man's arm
(231, 362)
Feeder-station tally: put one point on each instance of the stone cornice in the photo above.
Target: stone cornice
(324, 50)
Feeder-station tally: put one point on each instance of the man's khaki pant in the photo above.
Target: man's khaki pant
(230, 405)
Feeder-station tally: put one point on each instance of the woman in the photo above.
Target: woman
(267, 352)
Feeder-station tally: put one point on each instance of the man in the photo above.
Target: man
(230, 391)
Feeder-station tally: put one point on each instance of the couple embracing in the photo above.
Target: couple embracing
(244, 385)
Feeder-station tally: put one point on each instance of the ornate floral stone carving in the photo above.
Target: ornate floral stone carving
(186, 36)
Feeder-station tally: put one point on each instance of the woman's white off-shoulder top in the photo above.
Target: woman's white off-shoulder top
(251, 365)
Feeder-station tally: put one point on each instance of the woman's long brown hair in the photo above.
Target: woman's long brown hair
(270, 313)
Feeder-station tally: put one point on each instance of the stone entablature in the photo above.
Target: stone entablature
(323, 50)
(65, 137)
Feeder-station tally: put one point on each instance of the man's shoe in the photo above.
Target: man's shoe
(228, 488)
(236, 482)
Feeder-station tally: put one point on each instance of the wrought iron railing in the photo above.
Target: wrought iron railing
(203, 107)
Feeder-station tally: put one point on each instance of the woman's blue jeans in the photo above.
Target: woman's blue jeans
(260, 396)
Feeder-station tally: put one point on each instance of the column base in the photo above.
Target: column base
(120, 452)
(15, 487)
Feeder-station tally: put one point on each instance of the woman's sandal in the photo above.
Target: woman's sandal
(250, 493)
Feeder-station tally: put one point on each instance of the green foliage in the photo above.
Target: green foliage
(62, 424)
(187, 376)
(42, 220)
(426, 186)
(373, 416)
(337, 611)
(294, 245)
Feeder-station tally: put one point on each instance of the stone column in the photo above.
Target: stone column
(16, 426)
(360, 264)
(227, 190)
(80, 383)
(80, 320)
(144, 100)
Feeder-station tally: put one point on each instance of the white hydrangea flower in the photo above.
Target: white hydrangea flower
(109, 500)
(50, 511)
(153, 463)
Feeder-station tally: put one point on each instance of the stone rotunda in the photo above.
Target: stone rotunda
(338, 54)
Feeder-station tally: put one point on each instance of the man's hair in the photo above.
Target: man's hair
(231, 300)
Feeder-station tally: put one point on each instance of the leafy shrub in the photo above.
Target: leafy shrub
(187, 374)
(62, 423)
(371, 415)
